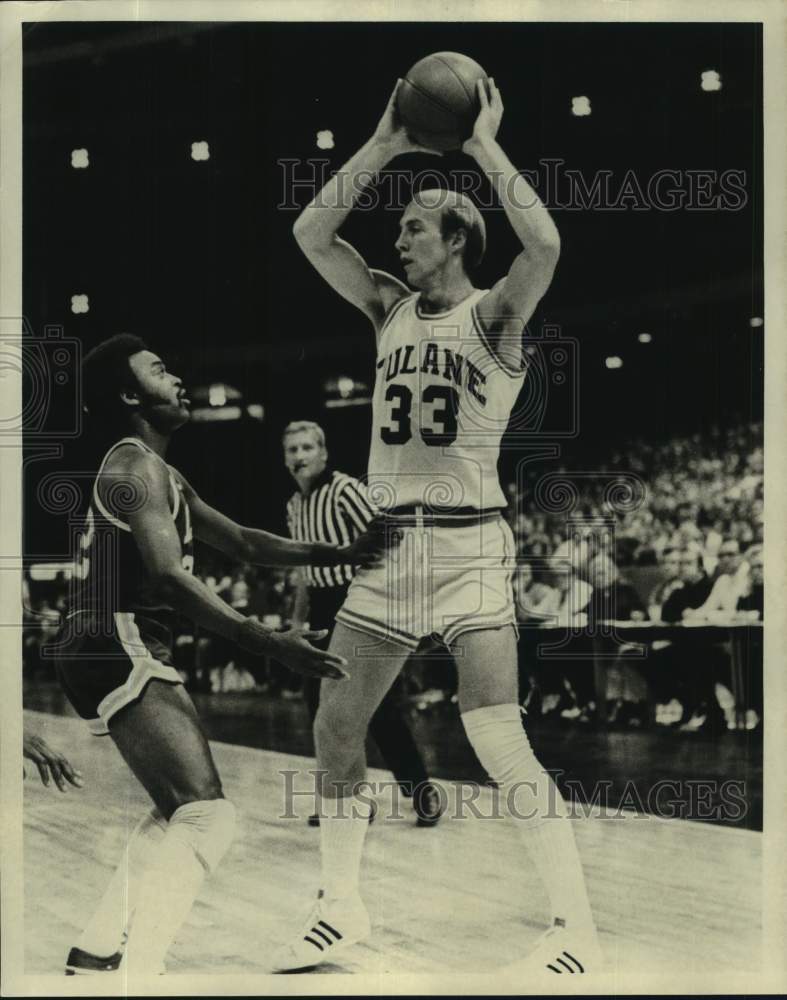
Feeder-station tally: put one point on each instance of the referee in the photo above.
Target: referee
(330, 506)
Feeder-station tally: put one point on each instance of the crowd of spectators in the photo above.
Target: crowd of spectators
(693, 492)
(681, 544)
(688, 549)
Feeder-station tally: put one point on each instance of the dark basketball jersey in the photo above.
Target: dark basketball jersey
(110, 576)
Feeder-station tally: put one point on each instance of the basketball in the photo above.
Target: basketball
(437, 101)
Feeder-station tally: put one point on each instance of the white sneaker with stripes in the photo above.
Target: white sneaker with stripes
(560, 951)
(331, 927)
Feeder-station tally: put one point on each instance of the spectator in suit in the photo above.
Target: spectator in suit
(752, 597)
(670, 568)
(535, 602)
(561, 687)
(751, 603)
(694, 592)
(614, 599)
(569, 603)
(697, 669)
(659, 668)
(730, 582)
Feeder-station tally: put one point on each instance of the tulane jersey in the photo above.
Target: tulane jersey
(110, 576)
(442, 400)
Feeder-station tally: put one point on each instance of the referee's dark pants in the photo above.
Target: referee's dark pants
(388, 729)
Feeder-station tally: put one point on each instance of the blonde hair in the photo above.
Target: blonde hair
(457, 212)
(296, 426)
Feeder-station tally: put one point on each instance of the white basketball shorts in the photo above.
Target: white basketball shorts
(448, 575)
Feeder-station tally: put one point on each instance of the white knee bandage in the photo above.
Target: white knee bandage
(502, 747)
(207, 827)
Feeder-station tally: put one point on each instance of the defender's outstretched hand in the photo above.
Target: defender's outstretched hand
(489, 117)
(296, 652)
(292, 648)
(50, 762)
(368, 548)
(391, 133)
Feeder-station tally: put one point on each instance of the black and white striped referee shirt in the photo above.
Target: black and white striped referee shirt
(336, 511)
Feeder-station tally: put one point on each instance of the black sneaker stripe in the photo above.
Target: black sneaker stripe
(312, 941)
(326, 939)
(566, 965)
(84, 962)
(578, 964)
(328, 927)
(558, 971)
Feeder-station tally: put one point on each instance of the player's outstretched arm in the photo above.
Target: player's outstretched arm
(317, 227)
(154, 532)
(263, 548)
(159, 546)
(50, 763)
(300, 609)
(510, 304)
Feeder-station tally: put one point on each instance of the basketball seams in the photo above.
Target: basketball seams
(448, 65)
(432, 100)
(434, 88)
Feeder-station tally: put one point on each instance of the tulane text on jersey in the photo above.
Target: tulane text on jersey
(441, 404)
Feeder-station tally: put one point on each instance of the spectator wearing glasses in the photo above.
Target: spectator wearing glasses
(729, 583)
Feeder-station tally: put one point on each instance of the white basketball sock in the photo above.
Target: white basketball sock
(535, 803)
(103, 934)
(343, 826)
(198, 836)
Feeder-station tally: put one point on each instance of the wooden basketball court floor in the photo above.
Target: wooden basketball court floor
(461, 898)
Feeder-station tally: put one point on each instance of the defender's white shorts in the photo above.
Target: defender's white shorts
(448, 575)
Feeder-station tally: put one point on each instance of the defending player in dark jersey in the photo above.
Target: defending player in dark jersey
(114, 653)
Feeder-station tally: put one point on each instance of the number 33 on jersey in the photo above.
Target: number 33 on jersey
(441, 405)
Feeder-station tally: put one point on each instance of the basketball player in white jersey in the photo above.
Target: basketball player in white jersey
(449, 369)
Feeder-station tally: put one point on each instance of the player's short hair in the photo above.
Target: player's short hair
(304, 425)
(105, 374)
(458, 212)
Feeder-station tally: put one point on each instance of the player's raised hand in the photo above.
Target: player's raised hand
(51, 763)
(295, 651)
(391, 133)
(489, 117)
